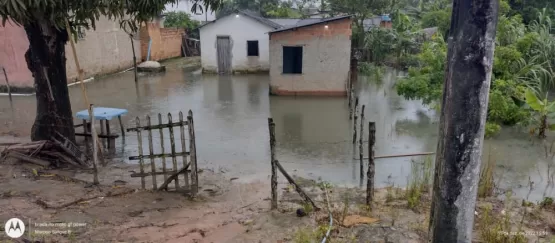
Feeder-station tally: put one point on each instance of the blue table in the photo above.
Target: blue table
(104, 115)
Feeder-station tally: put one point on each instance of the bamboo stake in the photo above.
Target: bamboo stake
(151, 151)
(162, 147)
(272, 127)
(80, 73)
(172, 143)
(371, 165)
(134, 57)
(193, 152)
(183, 149)
(95, 146)
(355, 122)
(140, 144)
(297, 187)
(7, 83)
(360, 149)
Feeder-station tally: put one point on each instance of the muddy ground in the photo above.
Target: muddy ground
(230, 210)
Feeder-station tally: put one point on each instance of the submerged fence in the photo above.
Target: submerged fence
(189, 158)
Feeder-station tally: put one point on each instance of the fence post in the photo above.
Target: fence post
(151, 152)
(272, 127)
(172, 146)
(361, 140)
(193, 151)
(141, 162)
(371, 165)
(355, 122)
(95, 145)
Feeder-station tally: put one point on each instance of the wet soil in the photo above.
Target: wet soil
(225, 210)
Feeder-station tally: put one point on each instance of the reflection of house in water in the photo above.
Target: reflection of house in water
(310, 120)
(225, 89)
(254, 92)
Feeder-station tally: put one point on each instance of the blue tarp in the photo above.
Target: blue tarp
(102, 113)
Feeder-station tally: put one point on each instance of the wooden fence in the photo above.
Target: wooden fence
(188, 155)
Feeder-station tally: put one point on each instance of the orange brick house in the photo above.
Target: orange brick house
(311, 59)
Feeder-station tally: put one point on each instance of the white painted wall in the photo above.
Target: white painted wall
(240, 30)
(185, 6)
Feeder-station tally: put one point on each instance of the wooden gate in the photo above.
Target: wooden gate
(187, 155)
(223, 48)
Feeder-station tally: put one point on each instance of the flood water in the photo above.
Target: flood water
(314, 134)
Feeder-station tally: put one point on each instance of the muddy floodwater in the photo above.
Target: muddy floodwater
(314, 134)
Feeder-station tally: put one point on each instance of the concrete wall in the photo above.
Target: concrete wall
(240, 30)
(166, 42)
(13, 45)
(104, 50)
(326, 60)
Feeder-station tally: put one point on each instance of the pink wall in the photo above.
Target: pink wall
(13, 45)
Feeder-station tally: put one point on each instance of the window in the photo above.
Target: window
(252, 48)
(292, 59)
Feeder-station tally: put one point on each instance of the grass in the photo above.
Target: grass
(419, 182)
(487, 184)
(308, 235)
(497, 229)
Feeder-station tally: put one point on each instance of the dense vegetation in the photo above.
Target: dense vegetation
(523, 70)
(181, 19)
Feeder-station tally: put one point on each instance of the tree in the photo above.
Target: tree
(463, 116)
(182, 19)
(45, 24)
(361, 10)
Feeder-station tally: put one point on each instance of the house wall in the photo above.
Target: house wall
(240, 30)
(326, 60)
(104, 50)
(166, 42)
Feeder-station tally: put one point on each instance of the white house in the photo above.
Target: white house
(237, 42)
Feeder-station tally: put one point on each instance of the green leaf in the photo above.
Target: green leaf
(552, 127)
(533, 101)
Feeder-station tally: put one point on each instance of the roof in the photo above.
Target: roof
(309, 22)
(287, 23)
(251, 15)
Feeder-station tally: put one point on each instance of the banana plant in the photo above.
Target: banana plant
(542, 109)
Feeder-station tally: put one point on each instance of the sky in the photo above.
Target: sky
(185, 6)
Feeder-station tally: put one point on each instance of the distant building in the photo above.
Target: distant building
(311, 57)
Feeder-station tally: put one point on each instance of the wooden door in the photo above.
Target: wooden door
(223, 49)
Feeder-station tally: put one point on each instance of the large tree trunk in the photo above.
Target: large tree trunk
(47, 62)
(463, 117)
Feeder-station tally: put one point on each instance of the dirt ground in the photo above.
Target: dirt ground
(227, 210)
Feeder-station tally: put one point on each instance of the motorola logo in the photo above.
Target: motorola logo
(14, 228)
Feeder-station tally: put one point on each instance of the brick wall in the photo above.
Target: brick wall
(326, 59)
(166, 42)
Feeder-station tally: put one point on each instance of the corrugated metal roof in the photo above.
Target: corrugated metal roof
(309, 22)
